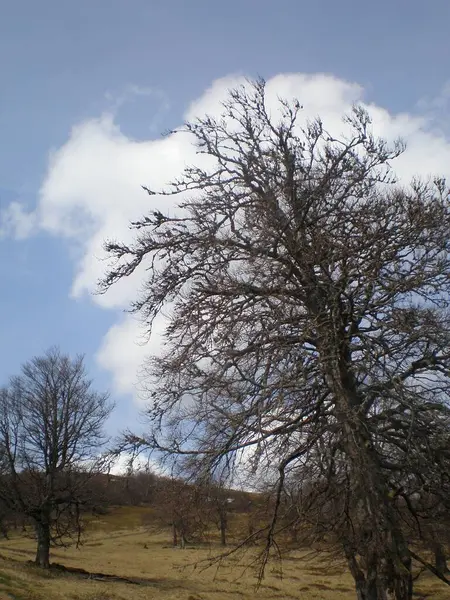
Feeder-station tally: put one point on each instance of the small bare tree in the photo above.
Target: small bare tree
(309, 320)
(51, 435)
(219, 499)
(183, 507)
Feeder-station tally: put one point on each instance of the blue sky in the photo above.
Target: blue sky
(138, 65)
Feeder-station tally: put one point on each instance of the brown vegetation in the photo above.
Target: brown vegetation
(116, 545)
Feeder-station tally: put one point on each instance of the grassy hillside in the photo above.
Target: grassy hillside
(119, 546)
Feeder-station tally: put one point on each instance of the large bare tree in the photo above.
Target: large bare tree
(51, 436)
(308, 327)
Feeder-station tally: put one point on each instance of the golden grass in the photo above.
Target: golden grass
(117, 545)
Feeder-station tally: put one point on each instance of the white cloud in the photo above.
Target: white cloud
(16, 222)
(124, 349)
(121, 466)
(121, 350)
(92, 188)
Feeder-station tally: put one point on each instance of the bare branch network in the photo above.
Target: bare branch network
(309, 327)
(51, 438)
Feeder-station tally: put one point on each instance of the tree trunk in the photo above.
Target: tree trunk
(384, 568)
(378, 580)
(174, 535)
(367, 591)
(383, 571)
(42, 527)
(440, 558)
(223, 526)
(4, 530)
(358, 575)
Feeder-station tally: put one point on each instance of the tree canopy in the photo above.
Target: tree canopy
(51, 438)
(308, 327)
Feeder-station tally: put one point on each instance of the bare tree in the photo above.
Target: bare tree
(309, 318)
(183, 507)
(220, 500)
(50, 442)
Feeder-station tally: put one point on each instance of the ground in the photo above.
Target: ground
(119, 545)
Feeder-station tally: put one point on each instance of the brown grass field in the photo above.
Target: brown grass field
(118, 545)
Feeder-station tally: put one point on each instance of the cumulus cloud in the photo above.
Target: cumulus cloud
(92, 191)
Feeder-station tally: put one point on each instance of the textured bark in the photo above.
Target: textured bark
(386, 559)
(43, 543)
(440, 558)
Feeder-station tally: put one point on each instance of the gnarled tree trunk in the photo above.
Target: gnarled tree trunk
(383, 568)
(380, 560)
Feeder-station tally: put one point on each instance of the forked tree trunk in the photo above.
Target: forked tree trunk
(42, 527)
(379, 581)
(357, 574)
(178, 535)
(384, 569)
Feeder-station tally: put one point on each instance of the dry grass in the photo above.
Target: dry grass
(117, 545)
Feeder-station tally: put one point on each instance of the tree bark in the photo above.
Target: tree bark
(42, 527)
(183, 541)
(174, 535)
(357, 574)
(378, 580)
(384, 569)
(223, 526)
(385, 563)
(440, 558)
(367, 591)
